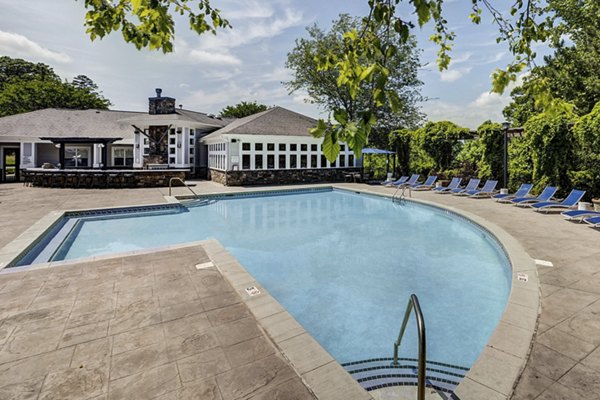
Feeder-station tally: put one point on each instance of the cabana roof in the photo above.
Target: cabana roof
(376, 151)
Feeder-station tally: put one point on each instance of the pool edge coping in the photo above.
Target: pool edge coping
(481, 380)
(319, 371)
(520, 315)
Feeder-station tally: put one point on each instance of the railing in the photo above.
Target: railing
(175, 178)
(402, 189)
(413, 304)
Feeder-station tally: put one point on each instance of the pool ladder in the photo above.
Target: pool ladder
(413, 305)
(400, 193)
(175, 178)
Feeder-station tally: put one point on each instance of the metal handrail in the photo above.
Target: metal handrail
(413, 304)
(184, 184)
(402, 193)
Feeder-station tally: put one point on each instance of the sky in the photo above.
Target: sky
(247, 63)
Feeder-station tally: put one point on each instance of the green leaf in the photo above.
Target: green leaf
(319, 130)
(331, 146)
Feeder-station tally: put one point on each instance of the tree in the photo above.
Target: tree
(364, 54)
(150, 23)
(322, 85)
(243, 109)
(570, 74)
(15, 69)
(26, 86)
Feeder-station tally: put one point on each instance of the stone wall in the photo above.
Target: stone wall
(103, 178)
(217, 176)
(280, 176)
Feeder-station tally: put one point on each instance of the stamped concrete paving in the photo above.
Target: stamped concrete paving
(148, 326)
(565, 361)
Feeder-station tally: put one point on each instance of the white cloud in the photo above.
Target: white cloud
(17, 45)
(452, 75)
(253, 30)
(486, 106)
(213, 58)
(246, 9)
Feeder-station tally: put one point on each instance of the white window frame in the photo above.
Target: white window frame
(124, 148)
(77, 149)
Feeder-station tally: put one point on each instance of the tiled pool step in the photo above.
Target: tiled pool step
(379, 373)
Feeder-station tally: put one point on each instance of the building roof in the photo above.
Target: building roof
(56, 122)
(276, 121)
(179, 115)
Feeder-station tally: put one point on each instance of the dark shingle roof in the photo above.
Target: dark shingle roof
(274, 121)
(203, 118)
(55, 122)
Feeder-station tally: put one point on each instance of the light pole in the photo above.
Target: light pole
(505, 126)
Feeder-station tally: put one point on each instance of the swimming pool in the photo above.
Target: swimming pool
(343, 264)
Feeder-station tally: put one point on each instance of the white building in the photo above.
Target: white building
(273, 146)
(267, 146)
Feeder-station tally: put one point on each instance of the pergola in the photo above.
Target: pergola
(62, 141)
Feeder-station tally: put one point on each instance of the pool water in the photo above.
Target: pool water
(344, 265)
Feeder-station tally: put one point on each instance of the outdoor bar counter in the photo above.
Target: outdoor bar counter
(102, 178)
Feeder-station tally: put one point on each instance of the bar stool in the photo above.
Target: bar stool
(71, 180)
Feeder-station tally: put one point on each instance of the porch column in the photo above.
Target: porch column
(104, 155)
(97, 155)
(61, 155)
(27, 155)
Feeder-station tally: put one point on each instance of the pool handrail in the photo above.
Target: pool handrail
(184, 184)
(413, 304)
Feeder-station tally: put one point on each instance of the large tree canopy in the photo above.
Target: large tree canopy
(25, 86)
(322, 85)
(570, 74)
(242, 109)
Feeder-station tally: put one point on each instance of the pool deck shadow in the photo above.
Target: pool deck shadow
(565, 354)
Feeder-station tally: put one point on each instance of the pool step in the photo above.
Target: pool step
(379, 373)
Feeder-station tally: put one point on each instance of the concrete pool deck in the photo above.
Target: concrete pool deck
(565, 360)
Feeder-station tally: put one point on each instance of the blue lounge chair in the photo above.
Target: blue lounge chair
(413, 180)
(594, 221)
(471, 185)
(428, 184)
(488, 190)
(523, 191)
(454, 183)
(547, 194)
(395, 183)
(569, 202)
(571, 215)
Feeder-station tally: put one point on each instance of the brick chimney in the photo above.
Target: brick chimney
(161, 105)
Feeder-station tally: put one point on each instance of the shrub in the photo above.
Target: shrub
(520, 166)
(492, 163)
(469, 160)
(586, 131)
(551, 146)
(434, 147)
